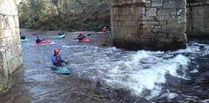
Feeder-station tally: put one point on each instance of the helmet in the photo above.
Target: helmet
(56, 51)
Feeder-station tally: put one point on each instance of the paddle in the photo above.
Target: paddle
(89, 34)
(34, 34)
(66, 62)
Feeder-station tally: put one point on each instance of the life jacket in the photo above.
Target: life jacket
(54, 60)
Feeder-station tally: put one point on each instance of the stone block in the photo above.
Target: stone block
(154, 23)
(2, 23)
(14, 63)
(5, 33)
(8, 10)
(123, 17)
(114, 2)
(117, 11)
(132, 24)
(173, 27)
(174, 4)
(140, 11)
(156, 30)
(147, 35)
(166, 12)
(148, 4)
(116, 18)
(11, 22)
(16, 21)
(151, 12)
(157, 3)
(160, 18)
(125, 11)
(8, 22)
(139, 1)
(133, 10)
(125, 2)
(132, 30)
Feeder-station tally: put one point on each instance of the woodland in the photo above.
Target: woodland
(70, 15)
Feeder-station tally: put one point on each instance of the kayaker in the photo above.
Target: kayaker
(61, 33)
(81, 36)
(22, 36)
(38, 40)
(56, 58)
(104, 29)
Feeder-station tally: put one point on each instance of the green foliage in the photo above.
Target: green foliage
(64, 14)
(46, 11)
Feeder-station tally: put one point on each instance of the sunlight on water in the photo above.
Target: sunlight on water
(136, 71)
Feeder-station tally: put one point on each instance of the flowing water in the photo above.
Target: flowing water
(108, 74)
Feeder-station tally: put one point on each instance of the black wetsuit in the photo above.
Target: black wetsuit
(80, 37)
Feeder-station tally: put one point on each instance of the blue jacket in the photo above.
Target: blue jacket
(54, 60)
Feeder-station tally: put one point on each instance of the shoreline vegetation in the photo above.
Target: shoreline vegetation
(68, 15)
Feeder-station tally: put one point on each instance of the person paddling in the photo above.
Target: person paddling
(38, 40)
(81, 36)
(22, 36)
(104, 29)
(56, 58)
(61, 33)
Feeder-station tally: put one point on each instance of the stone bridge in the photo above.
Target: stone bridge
(158, 24)
(136, 24)
(149, 24)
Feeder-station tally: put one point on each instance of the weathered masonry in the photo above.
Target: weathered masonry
(10, 49)
(198, 18)
(149, 24)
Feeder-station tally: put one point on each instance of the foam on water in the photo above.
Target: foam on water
(139, 71)
(145, 70)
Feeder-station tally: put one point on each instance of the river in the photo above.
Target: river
(105, 74)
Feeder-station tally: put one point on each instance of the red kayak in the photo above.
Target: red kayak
(45, 42)
(85, 40)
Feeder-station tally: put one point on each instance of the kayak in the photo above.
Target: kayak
(62, 69)
(45, 42)
(84, 40)
(59, 36)
(24, 40)
(101, 32)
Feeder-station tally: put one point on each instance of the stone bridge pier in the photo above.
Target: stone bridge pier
(149, 24)
(198, 19)
(10, 48)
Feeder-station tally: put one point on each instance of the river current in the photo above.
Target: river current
(180, 76)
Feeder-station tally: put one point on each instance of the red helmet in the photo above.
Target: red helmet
(56, 51)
